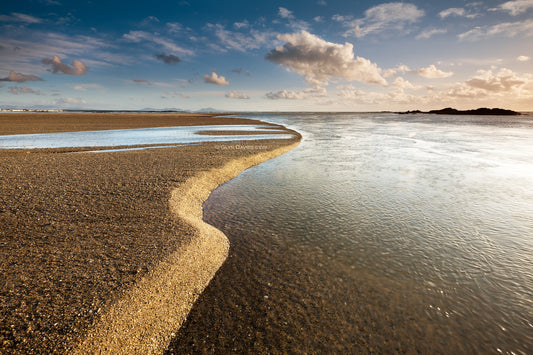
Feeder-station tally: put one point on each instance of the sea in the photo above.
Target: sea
(379, 233)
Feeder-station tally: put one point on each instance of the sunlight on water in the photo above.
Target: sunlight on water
(433, 213)
(141, 136)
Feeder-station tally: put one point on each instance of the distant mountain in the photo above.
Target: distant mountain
(166, 109)
(479, 111)
(208, 110)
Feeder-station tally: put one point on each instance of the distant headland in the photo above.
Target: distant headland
(479, 111)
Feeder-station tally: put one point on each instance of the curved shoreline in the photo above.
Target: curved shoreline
(144, 319)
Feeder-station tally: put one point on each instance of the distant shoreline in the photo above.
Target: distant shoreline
(480, 111)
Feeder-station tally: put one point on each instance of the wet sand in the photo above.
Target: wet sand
(83, 236)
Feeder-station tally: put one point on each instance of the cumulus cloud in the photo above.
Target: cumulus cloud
(400, 82)
(523, 58)
(457, 11)
(394, 16)
(286, 95)
(169, 59)
(505, 80)
(297, 95)
(20, 78)
(431, 72)
(494, 85)
(23, 90)
(402, 68)
(18, 17)
(505, 29)
(318, 60)
(516, 7)
(57, 66)
(215, 79)
(236, 95)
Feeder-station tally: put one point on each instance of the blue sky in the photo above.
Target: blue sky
(317, 55)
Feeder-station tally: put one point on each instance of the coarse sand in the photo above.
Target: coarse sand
(106, 252)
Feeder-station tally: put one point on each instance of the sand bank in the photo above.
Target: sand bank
(80, 235)
(145, 319)
(28, 123)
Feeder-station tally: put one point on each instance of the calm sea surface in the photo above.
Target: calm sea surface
(380, 232)
(140, 136)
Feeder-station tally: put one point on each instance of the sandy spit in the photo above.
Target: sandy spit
(144, 320)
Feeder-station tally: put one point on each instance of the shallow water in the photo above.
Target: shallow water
(380, 232)
(141, 136)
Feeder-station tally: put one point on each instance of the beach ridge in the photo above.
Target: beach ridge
(144, 319)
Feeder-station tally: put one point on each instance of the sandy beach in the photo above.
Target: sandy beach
(87, 238)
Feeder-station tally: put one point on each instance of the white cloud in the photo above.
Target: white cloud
(402, 68)
(242, 24)
(457, 11)
(236, 95)
(297, 95)
(286, 95)
(516, 7)
(345, 87)
(239, 41)
(20, 78)
(26, 54)
(215, 79)
(143, 36)
(319, 60)
(298, 25)
(400, 82)
(174, 27)
(454, 11)
(316, 91)
(505, 80)
(18, 17)
(430, 32)
(523, 58)
(57, 66)
(322, 3)
(493, 87)
(505, 29)
(395, 16)
(431, 72)
(284, 13)
(149, 20)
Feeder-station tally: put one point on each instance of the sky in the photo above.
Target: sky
(293, 55)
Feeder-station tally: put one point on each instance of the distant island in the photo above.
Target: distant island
(479, 111)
